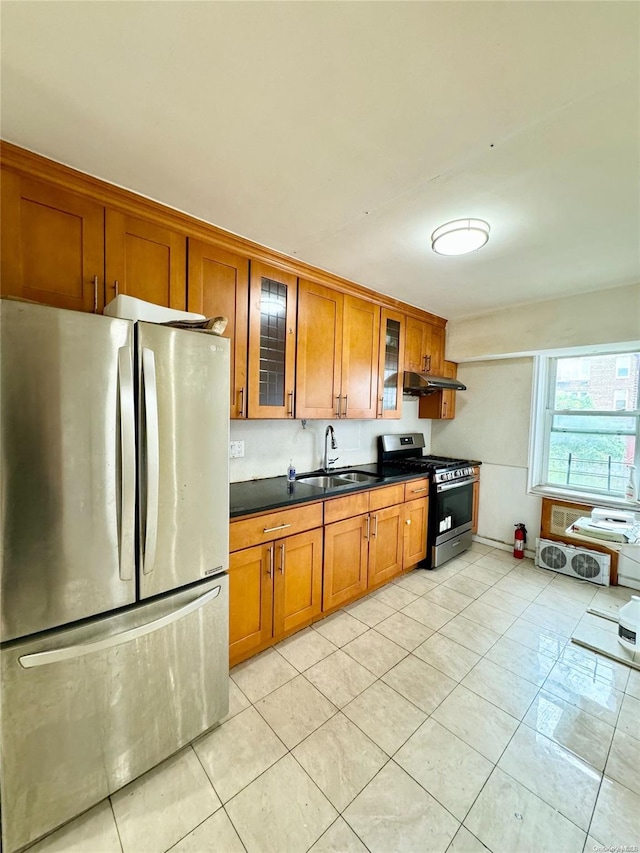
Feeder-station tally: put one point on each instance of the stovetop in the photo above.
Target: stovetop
(404, 453)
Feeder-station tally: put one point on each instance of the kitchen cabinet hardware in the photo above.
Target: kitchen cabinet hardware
(290, 409)
(242, 410)
(375, 525)
(367, 527)
(278, 527)
(271, 559)
(116, 287)
(95, 294)
(282, 550)
(416, 491)
(346, 406)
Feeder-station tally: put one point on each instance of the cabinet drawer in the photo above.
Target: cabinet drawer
(388, 496)
(416, 489)
(273, 525)
(346, 507)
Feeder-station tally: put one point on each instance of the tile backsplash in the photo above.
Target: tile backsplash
(270, 444)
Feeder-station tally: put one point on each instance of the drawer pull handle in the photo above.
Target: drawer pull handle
(279, 527)
(415, 491)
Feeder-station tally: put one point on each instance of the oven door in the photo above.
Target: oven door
(451, 520)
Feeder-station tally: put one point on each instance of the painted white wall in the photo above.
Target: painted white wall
(493, 416)
(492, 426)
(268, 445)
(587, 320)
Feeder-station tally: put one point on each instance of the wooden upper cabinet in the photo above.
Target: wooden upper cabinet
(52, 245)
(414, 348)
(145, 260)
(435, 363)
(442, 404)
(219, 286)
(360, 347)
(319, 365)
(391, 364)
(272, 342)
(424, 347)
(338, 345)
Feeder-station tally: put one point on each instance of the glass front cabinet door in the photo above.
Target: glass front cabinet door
(392, 331)
(272, 342)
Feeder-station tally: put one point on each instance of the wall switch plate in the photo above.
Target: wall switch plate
(236, 449)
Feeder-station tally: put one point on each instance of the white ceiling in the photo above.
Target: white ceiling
(344, 133)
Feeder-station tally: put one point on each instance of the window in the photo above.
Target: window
(620, 400)
(623, 366)
(586, 425)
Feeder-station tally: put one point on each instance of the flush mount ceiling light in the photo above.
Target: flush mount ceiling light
(460, 236)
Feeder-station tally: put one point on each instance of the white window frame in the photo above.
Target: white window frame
(544, 376)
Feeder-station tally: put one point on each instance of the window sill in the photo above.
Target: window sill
(584, 498)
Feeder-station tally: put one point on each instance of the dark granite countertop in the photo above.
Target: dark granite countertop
(276, 493)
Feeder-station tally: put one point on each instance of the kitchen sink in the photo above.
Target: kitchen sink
(358, 476)
(325, 481)
(340, 478)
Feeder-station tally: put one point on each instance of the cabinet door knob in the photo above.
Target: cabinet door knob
(408, 521)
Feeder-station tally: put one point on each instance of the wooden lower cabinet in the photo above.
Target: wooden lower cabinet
(297, 581)
(346, 551)
(385, 545)
(250, 600)
(476, 502)
(416, 514)
(274, 589)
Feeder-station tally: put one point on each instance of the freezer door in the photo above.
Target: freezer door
(184, 456)
(68, 466)
(87, 709)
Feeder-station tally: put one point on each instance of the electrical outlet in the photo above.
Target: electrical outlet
(236, 449)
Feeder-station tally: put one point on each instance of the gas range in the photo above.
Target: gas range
(451, 494)
(403, 454)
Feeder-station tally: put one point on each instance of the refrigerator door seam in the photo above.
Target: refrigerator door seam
(82, 649)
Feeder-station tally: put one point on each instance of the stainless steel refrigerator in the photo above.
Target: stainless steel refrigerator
(115, 518)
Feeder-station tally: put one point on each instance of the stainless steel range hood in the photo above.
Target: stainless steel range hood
(420, 384)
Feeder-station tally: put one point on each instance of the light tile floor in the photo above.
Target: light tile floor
(445, 712)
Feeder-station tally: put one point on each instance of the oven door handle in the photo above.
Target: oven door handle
(445, 487)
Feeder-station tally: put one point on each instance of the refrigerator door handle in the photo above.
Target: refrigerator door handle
(128, 464)
(152, 457)
(88, 648)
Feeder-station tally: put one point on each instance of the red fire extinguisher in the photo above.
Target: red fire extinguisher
(519, 540)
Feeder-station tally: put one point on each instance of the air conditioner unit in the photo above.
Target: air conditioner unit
(576, 562)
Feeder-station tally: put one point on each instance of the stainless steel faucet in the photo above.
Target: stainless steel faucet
(334, 446)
